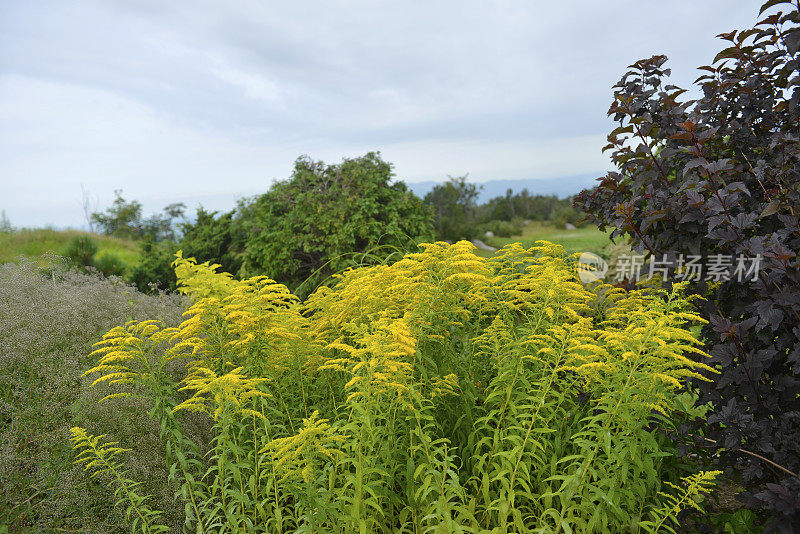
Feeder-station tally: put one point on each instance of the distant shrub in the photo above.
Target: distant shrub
(567, 214)
(614, 253)
(48, 322)
(501, 228)
(81, 250)
(110, 264)
(153, 270)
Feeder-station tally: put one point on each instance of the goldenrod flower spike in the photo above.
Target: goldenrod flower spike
(296, 455)
(228, 391)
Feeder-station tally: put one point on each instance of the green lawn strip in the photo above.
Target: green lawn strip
(585, 239)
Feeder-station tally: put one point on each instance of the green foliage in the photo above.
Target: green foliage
(662, 519)
(122, 219)
(458, 215)
(212, 237)
(454, 205)
(101, 459)
(5, 224)
(323, 220)
(501, 228)
(208, 238)
(39, 243)
(111, 264)
(444, 392)
(742, 521)
(326, 218)
(522, 205)
(153, 270)
(566, 214)
(81, 250)
(161, 226)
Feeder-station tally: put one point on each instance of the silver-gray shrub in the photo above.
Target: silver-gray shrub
(49, 319)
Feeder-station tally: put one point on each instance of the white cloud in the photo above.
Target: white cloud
(252, 84)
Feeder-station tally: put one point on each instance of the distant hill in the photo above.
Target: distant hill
(561, 187)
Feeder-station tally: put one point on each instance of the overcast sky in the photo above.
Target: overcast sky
(206, 102)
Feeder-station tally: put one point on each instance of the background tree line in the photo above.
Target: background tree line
(458, 215)
(321, 220)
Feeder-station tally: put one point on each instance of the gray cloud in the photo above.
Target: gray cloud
(207, 101)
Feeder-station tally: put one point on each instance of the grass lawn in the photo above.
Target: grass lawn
(33, 243)
(585, 239)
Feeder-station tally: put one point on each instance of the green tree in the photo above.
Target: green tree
(523, 205)
(162, 226)
(122, 219)
(154, 269)
(562, 215)
(454, 208)
(214, 238)
(209, 237)
(5, 224)
(326, 218)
